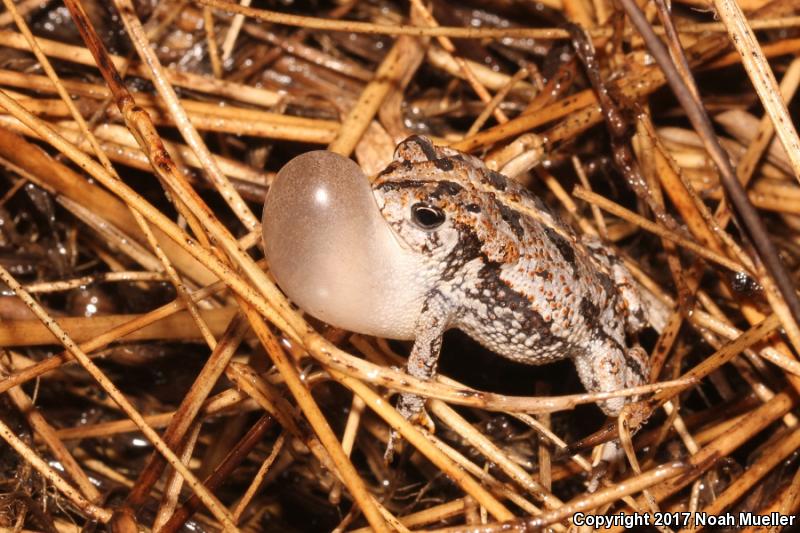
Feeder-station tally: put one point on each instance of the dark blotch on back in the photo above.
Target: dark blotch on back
(446, 188)
(589, 311)
(445, 165)
(394, 166)
(512, 218)
(443, 188)
(425, 145)
(512, 300)
(567, 252)
(497, 180)
(608, 284)
(391, 167)
(397, 185)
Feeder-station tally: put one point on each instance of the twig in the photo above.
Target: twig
(750, 218)
(460, 33)
(208, 499)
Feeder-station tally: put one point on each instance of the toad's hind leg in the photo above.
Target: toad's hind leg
(634, 311)
(607, 367)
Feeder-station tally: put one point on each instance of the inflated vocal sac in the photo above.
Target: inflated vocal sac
(332, 252)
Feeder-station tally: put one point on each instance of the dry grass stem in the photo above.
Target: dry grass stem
(614, 209)
(155, 377)
(235, 91)
(213, 504)
(762, 77)
(463, 33)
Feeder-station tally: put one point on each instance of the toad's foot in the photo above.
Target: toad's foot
(412, 408)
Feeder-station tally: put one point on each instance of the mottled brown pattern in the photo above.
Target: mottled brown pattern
(526, 287)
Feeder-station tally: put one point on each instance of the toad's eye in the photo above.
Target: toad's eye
(426, 216)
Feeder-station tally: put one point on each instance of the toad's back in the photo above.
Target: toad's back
(505, 270)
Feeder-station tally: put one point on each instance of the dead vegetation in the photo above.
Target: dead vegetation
(154, 376)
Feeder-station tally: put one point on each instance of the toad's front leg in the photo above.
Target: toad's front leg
(433, 321)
